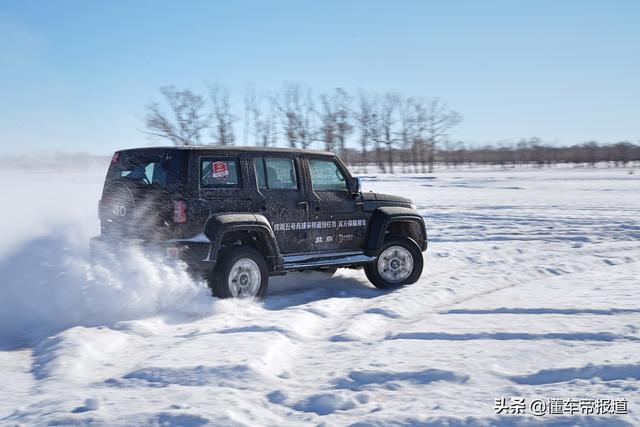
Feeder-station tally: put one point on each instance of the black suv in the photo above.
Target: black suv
(239, 215)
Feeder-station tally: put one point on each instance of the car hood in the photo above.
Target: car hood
(387, 198)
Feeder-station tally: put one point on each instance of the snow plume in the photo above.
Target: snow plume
(50, 283)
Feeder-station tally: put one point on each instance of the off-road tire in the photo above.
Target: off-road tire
(407, 248)
(219, 281)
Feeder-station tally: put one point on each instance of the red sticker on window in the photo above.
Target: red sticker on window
(220, 171)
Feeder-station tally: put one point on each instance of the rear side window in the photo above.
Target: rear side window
(156, 169)
(219, 173)
(326, 175)
(150, 173)
(276, 173)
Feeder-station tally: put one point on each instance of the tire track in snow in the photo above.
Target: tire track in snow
(366, 322)
(411, 308)
(314, 328)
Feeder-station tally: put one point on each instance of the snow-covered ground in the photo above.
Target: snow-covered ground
(531, 289)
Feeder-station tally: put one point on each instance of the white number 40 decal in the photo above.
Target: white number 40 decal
(120, 210)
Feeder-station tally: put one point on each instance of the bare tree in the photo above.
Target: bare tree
(249, 99)
(297, 109)
(342, 103)
(391, 128)
(364, 116)
(418, 139)
(223, 119)
(437, 122)
(334, 118)
(407, 131)
(375, 130)
(622, 152)
(261, 120)
(185, 122)
(329, 125)
(387, 121)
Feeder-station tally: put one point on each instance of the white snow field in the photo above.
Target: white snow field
(531, 289)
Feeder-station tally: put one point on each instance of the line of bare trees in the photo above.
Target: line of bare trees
(536, 153)
(387, 130)
(532, 153)
(395, 128)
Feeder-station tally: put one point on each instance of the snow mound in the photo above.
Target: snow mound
(49, 284)
(221, 376)
(76, 354)
(327, 403)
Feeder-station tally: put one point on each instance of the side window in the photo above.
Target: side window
(326, 175)
(219, 173)
(276, 173)
(151, 173)
(148, 171)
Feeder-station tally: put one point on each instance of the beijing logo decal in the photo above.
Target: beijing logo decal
(220, 171)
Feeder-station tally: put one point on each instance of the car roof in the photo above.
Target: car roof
(228, 149)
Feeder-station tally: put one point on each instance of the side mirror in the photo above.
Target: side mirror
(356, 186)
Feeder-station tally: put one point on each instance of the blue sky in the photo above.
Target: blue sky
(76, 75)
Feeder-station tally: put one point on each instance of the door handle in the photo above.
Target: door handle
(360, 205)
(303, 205)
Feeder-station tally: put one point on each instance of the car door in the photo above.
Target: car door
(338, 218)
(283, 199)
(222, 183)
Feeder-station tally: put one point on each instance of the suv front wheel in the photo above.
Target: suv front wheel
(399, 263)
(240, 273)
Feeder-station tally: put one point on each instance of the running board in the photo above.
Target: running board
(318, 260)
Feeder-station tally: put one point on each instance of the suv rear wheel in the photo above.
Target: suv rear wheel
(240, 273)
(400, 263)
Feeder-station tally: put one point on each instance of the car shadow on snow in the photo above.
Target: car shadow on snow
(301, 288)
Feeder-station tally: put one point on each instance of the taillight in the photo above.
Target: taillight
(115, 158)
(172, 252)
(179, 211)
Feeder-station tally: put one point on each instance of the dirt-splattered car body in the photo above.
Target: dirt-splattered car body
(299, 209)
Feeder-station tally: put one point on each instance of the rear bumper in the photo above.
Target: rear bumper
(196, 255)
